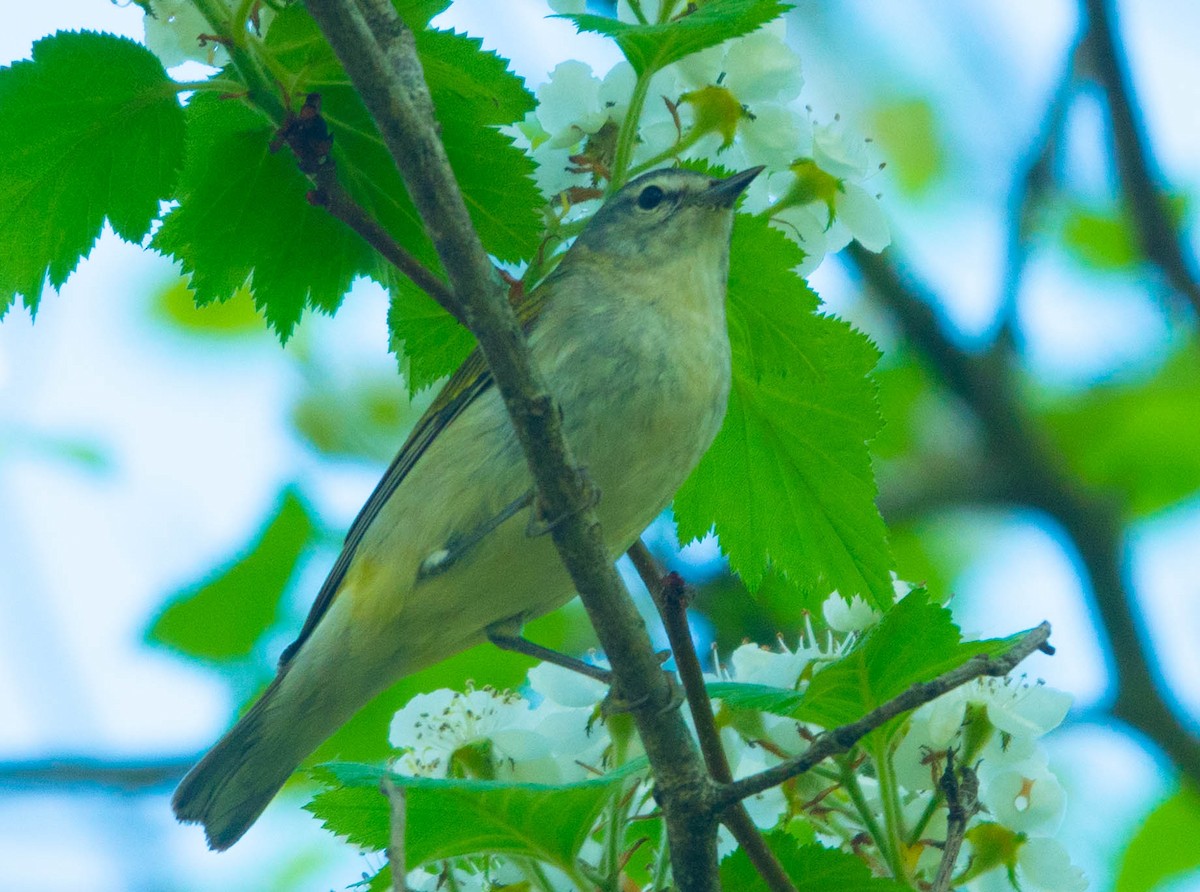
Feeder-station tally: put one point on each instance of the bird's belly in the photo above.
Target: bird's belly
(637, 447)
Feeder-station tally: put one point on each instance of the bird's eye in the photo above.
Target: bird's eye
(650, 198)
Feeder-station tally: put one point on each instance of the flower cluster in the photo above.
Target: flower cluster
(735, 106)
(555, 730)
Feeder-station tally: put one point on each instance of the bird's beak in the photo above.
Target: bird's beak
(724, 193)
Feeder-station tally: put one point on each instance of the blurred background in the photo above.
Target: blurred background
(174, 484)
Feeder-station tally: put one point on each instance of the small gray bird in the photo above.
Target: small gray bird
(630, 332)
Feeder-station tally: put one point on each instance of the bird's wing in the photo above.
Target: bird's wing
(468, 383)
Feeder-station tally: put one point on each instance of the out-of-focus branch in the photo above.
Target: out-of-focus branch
(73, 772)
(1039, 479)
(379, 54)
(1035, 178)
(1136, 167)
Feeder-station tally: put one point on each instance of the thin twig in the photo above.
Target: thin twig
(398, 809)
(379, 54)
(961, 789)
(307, 135)
(671, 598)
(335, 199)
(1039, 479)
(840, 740)
(1136, 167)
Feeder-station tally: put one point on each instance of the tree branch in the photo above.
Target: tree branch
(1136, 167)
(131, 776)
(378, 52)
(839, 740)
(1035, 178)
(398, 811)
(671, 598)
(1040, 480)
(962, 802)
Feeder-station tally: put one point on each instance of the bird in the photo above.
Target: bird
(630, 332)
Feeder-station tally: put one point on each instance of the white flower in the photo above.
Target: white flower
(765, 808)
(563, 7)
(438, 727)
(852, 617)
(569, 103)
(805, 225)
(1014, 707)
(754, 664)
(566, 688)
(761, 67)
(1045, 865)
(1027, 799)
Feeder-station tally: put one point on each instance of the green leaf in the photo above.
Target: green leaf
(788, 481)
(1164, 845)
(90, 129)
(223, 617)
(811, 868)
(1113, 436)
(1102, 239)
(652, 47)
(448, 818)
(417, 13)
(473, 92)
(432, 341)
(914, 642)
(756, 697)
(906, 130)
(175, 305)
(365, 417)
(243, 216)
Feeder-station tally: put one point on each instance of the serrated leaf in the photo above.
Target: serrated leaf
(788, 482)
(1164, 845)
(652, 47)
(431, 340)
(223, 617)
(473, 92)
(417, 13)
(448, 818)
(243, 216)
(90, 129)
(915, 641)
(811, 868)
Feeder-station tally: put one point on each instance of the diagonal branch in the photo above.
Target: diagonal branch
(1040, 480)
(379, 54)
(670, 596)
(1136, 167)
(839, 740)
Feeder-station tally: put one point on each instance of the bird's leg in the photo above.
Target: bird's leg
(459, 544)
(506, 635)
(540, 525)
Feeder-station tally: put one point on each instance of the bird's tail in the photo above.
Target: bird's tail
(229, 788)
